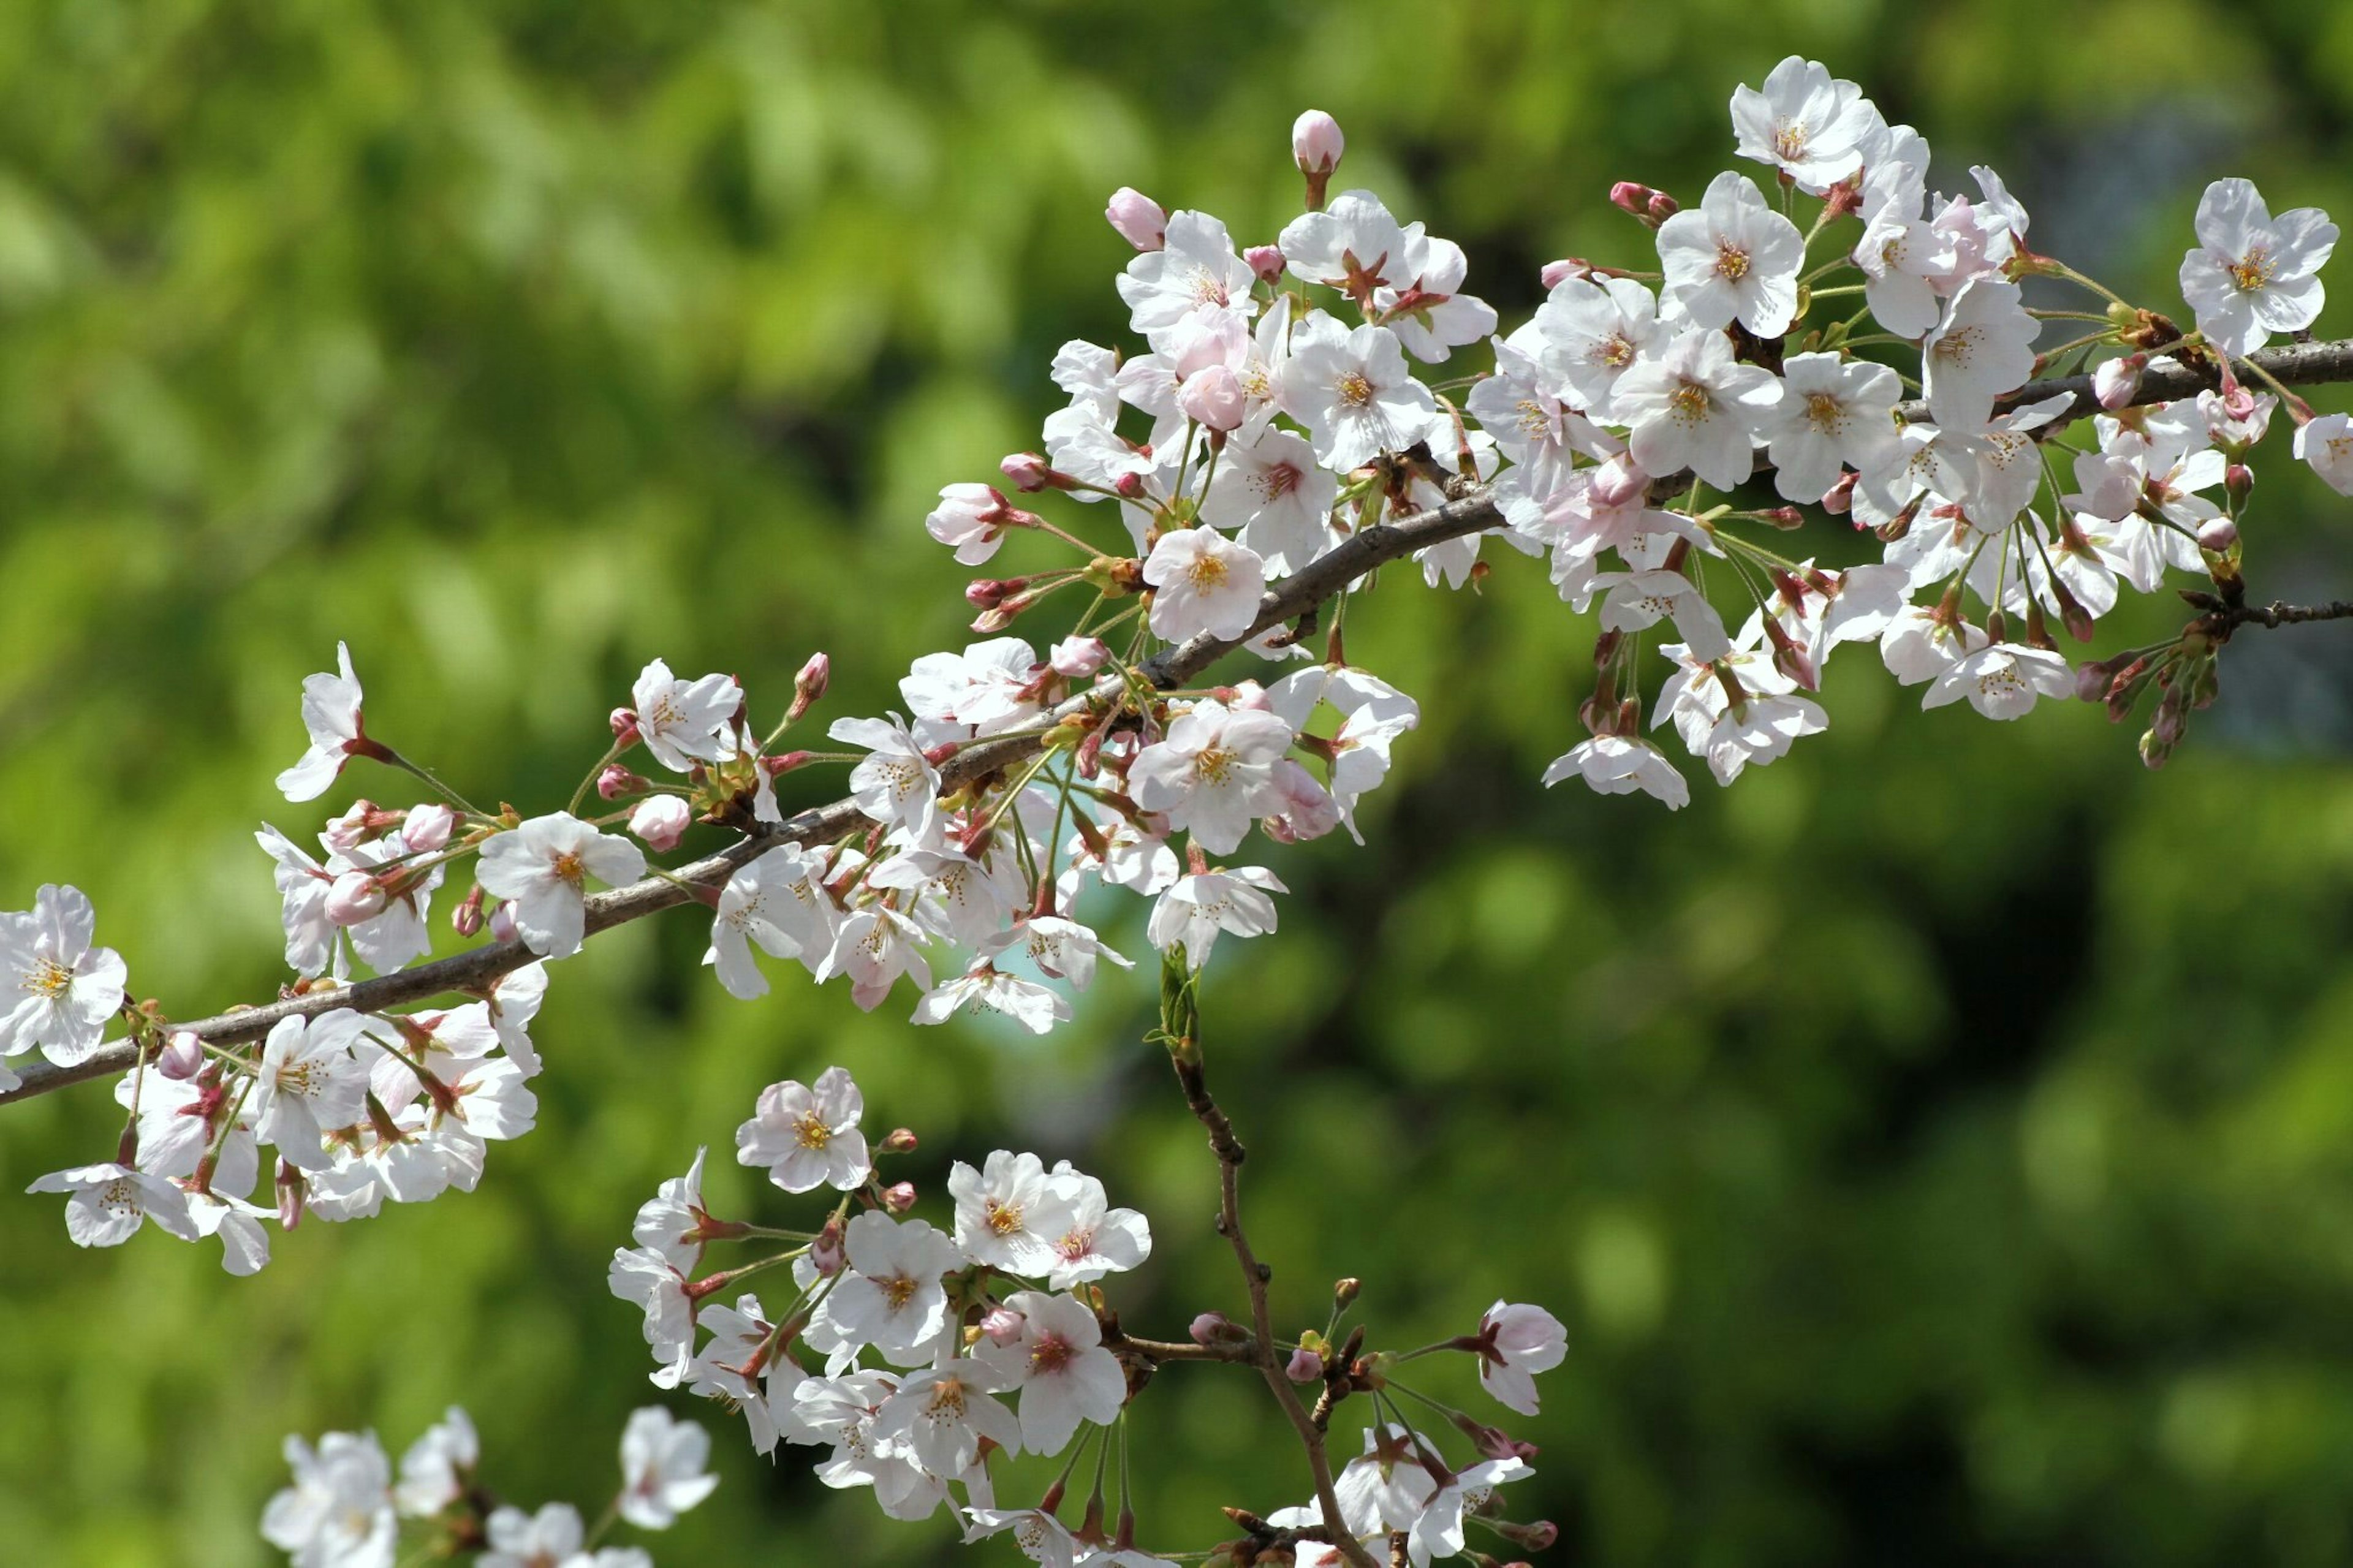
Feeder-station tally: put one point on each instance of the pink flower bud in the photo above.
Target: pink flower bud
(2118, 382)
(661, 821)
(429, 828)
(616, 781)
(1002, 1325)
(1839, 500)
(1652, 208)
(1305, 1366)
(2239, 483)
(1316, 143)
(1556, 273)
(808, 686)
(901, 1141)
(1138, 219)
(182, 1057)
(1619, 482)
(467, 918)
(1214, 1329)
(1028, 473)
(899, 1198)
(356, 899)
(1215, 397)
(349, 831)
(1266, 261)
(784, 763)
(2091, 682)
(625, 726)
(826, 1254)
(503, 926)
(1077, 658)
(293, 1188)
(2217, 534)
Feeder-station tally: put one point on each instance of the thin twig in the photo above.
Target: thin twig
(1293, 597)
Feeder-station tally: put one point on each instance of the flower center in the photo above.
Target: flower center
(1731, 261)
(1615, 351)
(1214, 763)
(568, 869)
(48, 978)
(1209, 288)
(1280, 481)
(1051, 1354)
(1207, 573)
(2002, 682)
(1690, 402)
(1825, 412)
(1790, 139)
(898, 1290)
(1004, 1218)
(1076, 1244)
(810, 1131)
(947, 1400)
(1533, 420)
(1355, 389)
(2256, 269)
(1954, 347)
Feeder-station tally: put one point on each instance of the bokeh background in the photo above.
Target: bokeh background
(1940, 1146)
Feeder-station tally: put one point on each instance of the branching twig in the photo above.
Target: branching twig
(1294, 596)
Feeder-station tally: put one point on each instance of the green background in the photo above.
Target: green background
(1940, 1146)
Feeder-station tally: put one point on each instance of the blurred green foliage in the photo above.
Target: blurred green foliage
(1941, 1145)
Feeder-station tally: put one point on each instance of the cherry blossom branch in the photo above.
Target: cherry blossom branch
(1181, 1033)
(1365, 551)
(2277, 614)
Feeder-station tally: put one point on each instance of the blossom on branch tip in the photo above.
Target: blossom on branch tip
(108, 1202)
(683, 722)
(806, 1136)
(663, 1467)
(1805, 122)
(331, 712)
(1732, 258)
(2253, 275)
(541, 869)
(896, 783)
(1204, 583)
(58, 990)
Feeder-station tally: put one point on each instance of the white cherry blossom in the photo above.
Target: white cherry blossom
(542, 870)
(2254, 274)
(1205, 583)
(806, 1136)
(59, 992)
(1731, 259)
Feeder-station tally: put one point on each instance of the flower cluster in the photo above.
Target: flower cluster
(914, 1357)
(346, 1510)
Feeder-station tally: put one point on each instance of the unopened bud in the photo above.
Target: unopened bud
(2218, 534)
(1345, 1293)
(2092, 678)
(353, 828)
(1139, 219)
(1215, 397)
(661, 821)
(1785, 518)
(356, 899)
(1266, 261)
(467, 919)
(1002, 1325)
(429, 828)
(784, 763)
(615, 781)
(1305, 1366)
(293, 1187)
(1536, 1536)
(1316, 145)
(1555, 273)
(987, 593)
(1620, 482)
(899, 1196)
(808, 686)
(826, 1254)
(2238, 483)
(182, 1057)
(901, 1140)
(2118, 382)
(1030, 473)
(1213, 1328)
(1651, 207)
(1129, 487)
(1839, 500)
(1077, 657)
(625, 726)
